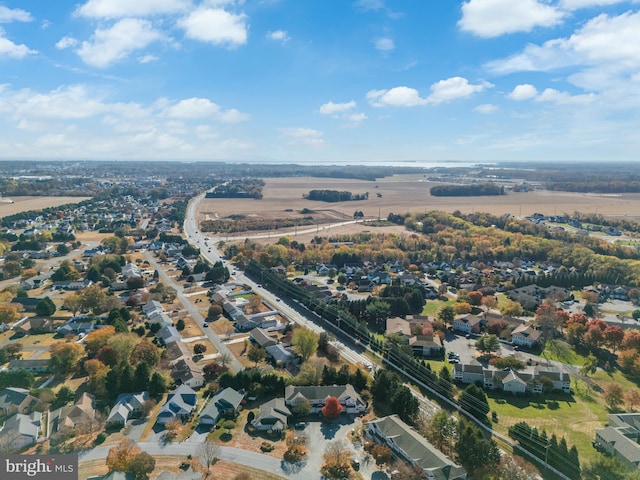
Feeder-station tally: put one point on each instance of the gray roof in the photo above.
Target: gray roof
(222, 401)
(272, 412)
(314, 392)
(15, 396)
(418, 449)
(280, 353)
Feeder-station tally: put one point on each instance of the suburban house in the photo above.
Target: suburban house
(168, 333)
(128, 405)
(514, 381)
(317, 396)
(20, 431)
(467, 323)
(273, 415)
(16, 400)
(83, 412)
(175, 349)
(225, 402)
(160, 317)
(525, 335)
(34, 325)
(186, 372)
(151, 306)
(619, 438)
(261, 337)
(409, 445)
(179, 406)
(423, 345)
(36, 365)
(282, 355)
(72, 284)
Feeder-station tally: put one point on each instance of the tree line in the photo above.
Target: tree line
(477, 189)
(335, 196)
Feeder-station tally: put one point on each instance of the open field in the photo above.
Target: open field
(399, 194)
(22, 204)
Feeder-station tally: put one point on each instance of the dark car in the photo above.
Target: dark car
(205, 324)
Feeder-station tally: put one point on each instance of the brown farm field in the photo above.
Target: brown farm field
(13, 205)
(283, 197)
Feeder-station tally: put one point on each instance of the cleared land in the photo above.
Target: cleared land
(13, 205)
(283, 197)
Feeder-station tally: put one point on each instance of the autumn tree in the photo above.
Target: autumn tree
(146, 352)
(65, 357)
(632, 398)
(119, 456)
(332, 408)
(613, 395)
(304, 342)
(141, 465)
(441, 431)
(336, 460)
(93, 299)
(73, 303)
(8, 313)
(98, 338)
(255, 302)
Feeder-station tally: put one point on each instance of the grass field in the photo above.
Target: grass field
(22, 204)
(282, 197)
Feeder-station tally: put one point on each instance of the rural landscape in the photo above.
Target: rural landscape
(413, 323)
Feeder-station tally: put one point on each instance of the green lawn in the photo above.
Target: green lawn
(562, 352)
(571, 416)
(432, 306)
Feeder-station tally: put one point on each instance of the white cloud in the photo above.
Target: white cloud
(454, 88)
(147, 59)
(8, 15)
(523, 92)
(216, 26)
(605, 47)
(12, 50)
(384, 44)
(65, 103)
(197, 108)
(492, 18)
(396, 97)
(564, 98)
(577, 4)
(116, 43)
(279, 36)
(486, 108)
(356, 118)
(129, 8)
(66, 42)
(331, 108)
(305, 136)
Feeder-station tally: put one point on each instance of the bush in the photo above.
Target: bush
(267, 446)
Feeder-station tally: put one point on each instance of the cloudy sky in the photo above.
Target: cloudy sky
(330, 81)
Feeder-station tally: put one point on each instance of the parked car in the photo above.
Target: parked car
(205, 324)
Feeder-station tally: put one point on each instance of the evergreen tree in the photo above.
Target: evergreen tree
(141, 376)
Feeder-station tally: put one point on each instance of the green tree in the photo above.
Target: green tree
(45, 307)
(474, 401)
(157, 385)
(405, 404)
(141, 376)
(441, 431)
(446, 314)
(474, 451)
(304, 342)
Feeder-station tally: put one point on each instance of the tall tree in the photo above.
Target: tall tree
(305, 342)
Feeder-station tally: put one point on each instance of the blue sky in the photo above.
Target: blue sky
(320, 81)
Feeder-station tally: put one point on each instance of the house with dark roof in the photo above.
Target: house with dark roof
(409, 445)
(273, 415)
(509, 380)
(186, 372)
(223, 403)
(180, 404)
(317, 397)
(16, 400)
